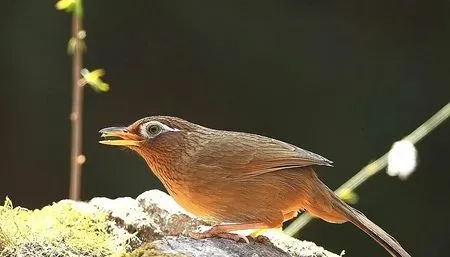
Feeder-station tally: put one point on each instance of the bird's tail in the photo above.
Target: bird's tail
(343, 212)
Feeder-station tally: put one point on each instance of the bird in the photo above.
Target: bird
(238, 180)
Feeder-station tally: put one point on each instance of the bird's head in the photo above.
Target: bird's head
(157, 138)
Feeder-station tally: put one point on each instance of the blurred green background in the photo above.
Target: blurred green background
(344, 80)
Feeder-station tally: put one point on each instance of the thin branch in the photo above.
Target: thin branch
(376, 166)
(76, 156)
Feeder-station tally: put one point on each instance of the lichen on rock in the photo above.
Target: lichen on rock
(66, 228)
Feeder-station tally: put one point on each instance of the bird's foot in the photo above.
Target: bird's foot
(223, 231)
(226, 235)
(262, 240)
(232, 236)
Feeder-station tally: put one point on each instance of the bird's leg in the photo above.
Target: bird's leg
(223, 231)
(286, 216)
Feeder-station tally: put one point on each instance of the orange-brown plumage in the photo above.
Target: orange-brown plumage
(241, 178)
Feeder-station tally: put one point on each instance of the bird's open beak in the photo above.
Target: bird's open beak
(119, 136)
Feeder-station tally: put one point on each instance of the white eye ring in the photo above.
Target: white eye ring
(153, 128)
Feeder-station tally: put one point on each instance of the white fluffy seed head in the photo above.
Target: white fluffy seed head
(402, 159)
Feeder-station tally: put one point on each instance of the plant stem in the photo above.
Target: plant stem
(77, 105)
(376, 166)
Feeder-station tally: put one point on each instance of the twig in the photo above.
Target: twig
(376, 166)
(76, 156)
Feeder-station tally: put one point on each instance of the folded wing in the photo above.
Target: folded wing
(250, 155)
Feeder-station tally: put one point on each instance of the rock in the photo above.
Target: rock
(216, 247)
(153, 224)
(169, 218)
(158, 219)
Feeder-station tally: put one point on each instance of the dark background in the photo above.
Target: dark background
(344, 80)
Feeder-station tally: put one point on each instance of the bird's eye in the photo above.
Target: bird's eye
(153, 129)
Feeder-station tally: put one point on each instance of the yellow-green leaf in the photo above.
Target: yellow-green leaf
(65, 5)
(93, 79)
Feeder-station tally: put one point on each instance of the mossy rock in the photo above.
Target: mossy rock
(60, 229)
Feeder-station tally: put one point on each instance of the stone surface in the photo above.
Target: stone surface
(216, 248)
(167, 215)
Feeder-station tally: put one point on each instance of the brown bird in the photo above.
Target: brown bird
(251, 181)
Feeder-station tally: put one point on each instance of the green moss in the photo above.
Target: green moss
(56, 230)
(149, 250)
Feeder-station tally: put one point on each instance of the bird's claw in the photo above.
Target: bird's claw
(234, 237)
(230, 236)
(263, 240)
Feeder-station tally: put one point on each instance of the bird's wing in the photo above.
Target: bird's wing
(246, 155)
